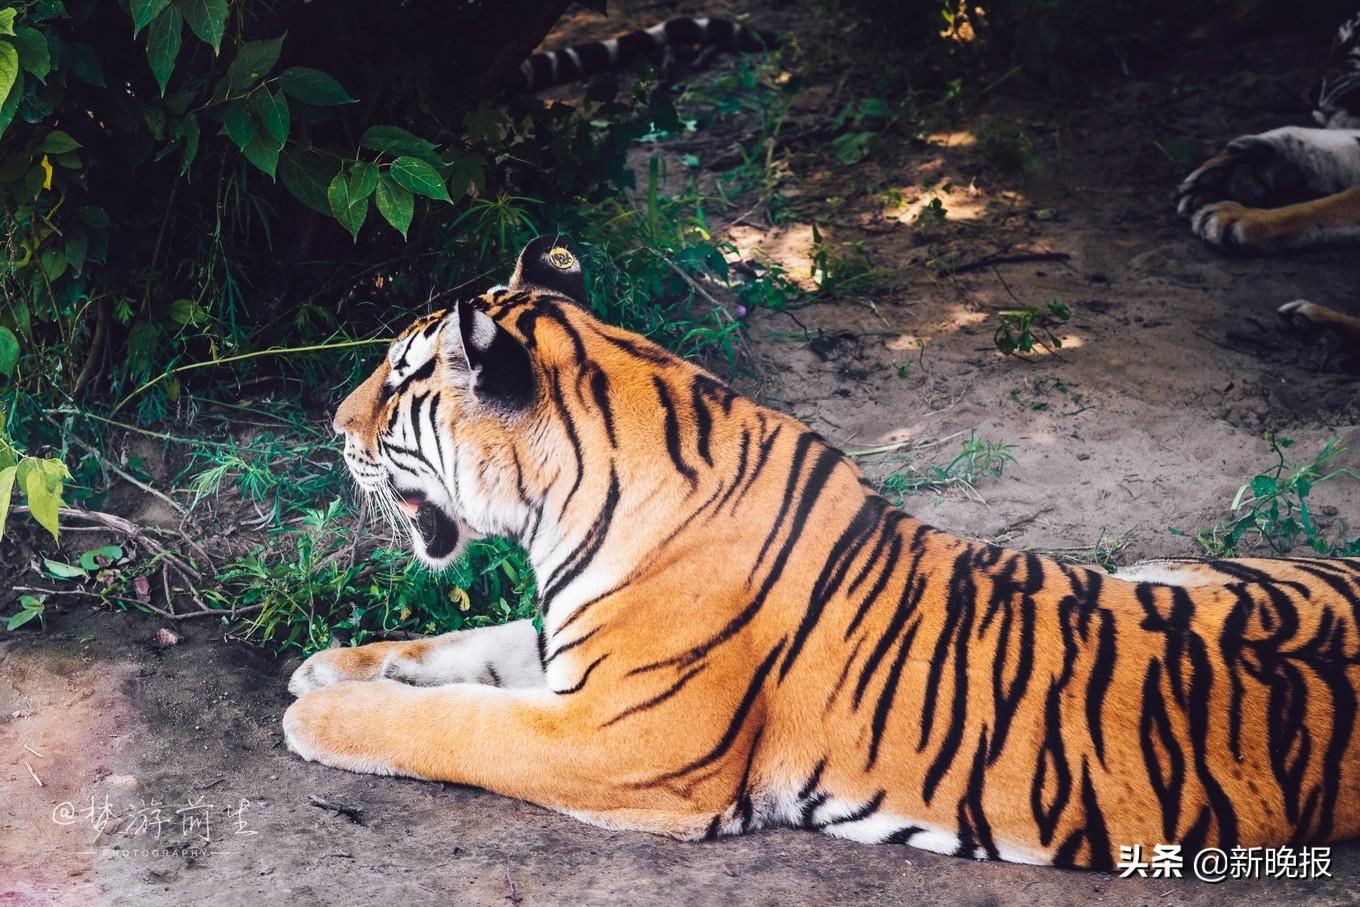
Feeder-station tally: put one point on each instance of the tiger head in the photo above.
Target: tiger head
(1335, 96)
(435, 435)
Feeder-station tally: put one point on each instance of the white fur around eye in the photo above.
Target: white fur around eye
(409, 354)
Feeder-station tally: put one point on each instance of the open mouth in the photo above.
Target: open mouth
(438, 531)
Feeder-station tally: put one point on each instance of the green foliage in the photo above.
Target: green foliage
(1021, 330)
(30, 607)
(1274, 509)
(837, 270)
(1007, 147)
(977, 460)
(40, 480)
(315, 590)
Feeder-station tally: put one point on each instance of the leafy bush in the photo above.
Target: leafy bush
(198, 195)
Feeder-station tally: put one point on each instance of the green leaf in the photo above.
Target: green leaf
(85, 65)
(350, 210)
(466, 172)
(77, 248)
(162, 44)
(253, 62)
(363, 179)
(240, 125)
(419, 177)
(395, 140)
(187, 130)
(95, 217)
(9, 71)
(89, 561)
(208, 19)
(312, 86)
(484, 124)
(58, 142)
(395, 203)
(143, 11)
(53, 263)
(7, 20)
(272, 111)
(306, 173)
(44, 496)
(186, 311)
(263, 152)
(22, 617)
(34, 55)
(10, 104)
(63, 571)
(6, 491)
(9, 352)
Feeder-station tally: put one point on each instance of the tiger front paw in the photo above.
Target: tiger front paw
(327, 726)
(1311, 322)
(1235, 227)
(331, 666)
(1246, 171)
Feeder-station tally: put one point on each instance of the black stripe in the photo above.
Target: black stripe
(859, 815)
(837, 563)
(734, 727)
(672, 429)
(599, 388)
(589, 546)
(766, 445)
(659, 698)
(703, 420)
(1167, 781)
(567, 647)
(885, 698)
(584, 677)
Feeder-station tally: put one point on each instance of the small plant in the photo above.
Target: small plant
(863, 121)
(41, 480)
(1105, 552)
(1042, 392)
(1021, 330)
(1274, 509)
(30, 607)
(1007, 147)
(977, 460)
(836, 270)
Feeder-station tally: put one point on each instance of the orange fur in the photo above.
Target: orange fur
(739, 632)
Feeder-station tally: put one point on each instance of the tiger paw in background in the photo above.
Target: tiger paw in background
(1291, 188)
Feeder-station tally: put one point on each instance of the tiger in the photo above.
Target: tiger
(1293, 187)
(681, 42)
(737, 631)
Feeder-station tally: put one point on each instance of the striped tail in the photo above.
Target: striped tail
(676, 40)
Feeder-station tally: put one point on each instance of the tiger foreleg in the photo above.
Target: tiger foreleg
(1323, 222)
(1278, 167)
(534, 745)
(497, 656)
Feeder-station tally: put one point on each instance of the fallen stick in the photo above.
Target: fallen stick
(987, 261)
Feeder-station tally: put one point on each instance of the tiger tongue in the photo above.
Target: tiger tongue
(410, 504)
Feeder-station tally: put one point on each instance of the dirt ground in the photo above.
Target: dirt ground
(1150, 416)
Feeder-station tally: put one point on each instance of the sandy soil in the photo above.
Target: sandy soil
(1172, 369)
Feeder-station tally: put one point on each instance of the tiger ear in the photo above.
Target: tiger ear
(501, 370)
(550, 264)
